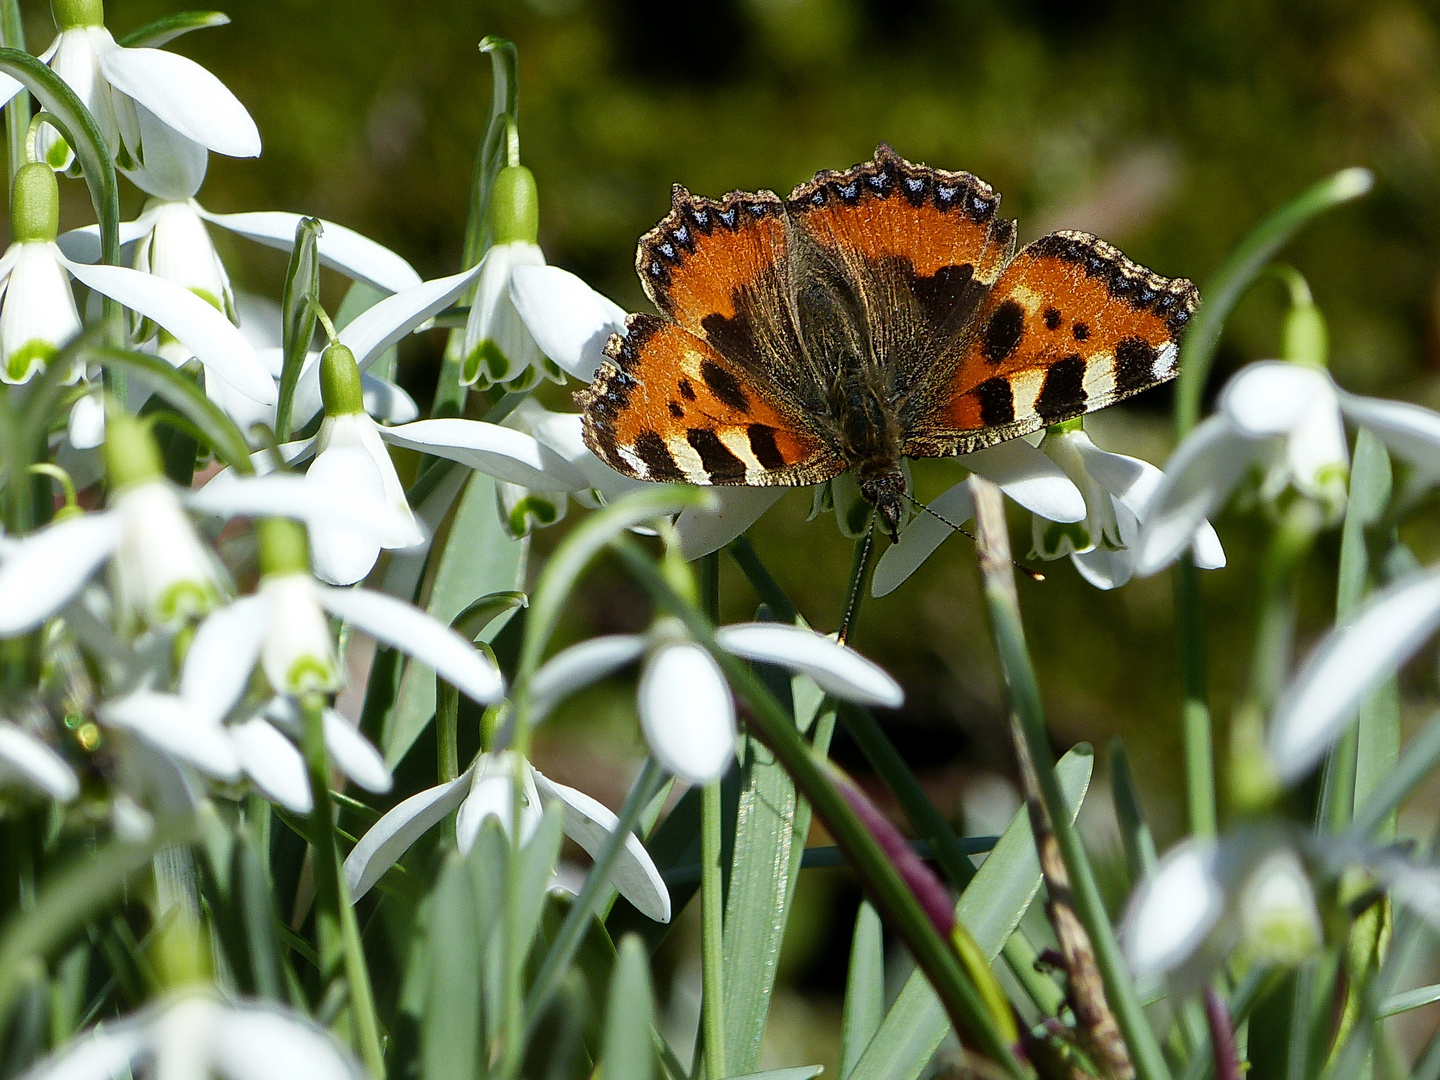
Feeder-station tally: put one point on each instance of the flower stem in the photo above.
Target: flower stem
(17, 113)
(1026, 704)
(338, 934)
(1199, 741)
(769, 722)
(712, 912)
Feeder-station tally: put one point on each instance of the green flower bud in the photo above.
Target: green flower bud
(340, 388)
(284, 547)
(75, 14)
(34, 204)
(131, 456)
(514, 206)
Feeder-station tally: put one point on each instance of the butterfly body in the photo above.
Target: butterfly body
(875, 314)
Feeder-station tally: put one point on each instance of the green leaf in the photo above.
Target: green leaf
(251, 894)
(84, 137)
(478, 560)
(451, 1030)
(1410, 999)
(627, 1053)
(1421, 754)
(181, 393)
(864, 989)
(1134, 831)
(797, 1072)
(169, 27)
(1229, 283)
(297, 316)
(991, 908)
(770, 828)
(17, 113)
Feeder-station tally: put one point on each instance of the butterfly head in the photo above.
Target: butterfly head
(886, 492)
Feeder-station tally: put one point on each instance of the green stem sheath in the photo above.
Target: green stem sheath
(712, 916)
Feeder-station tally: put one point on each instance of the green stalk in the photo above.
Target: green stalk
(712, 930)
(769, 721)
(17, 113)
(337, 933)
(1009, 633)
(1198, 734)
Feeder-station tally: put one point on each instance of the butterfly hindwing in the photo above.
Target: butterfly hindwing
(669, 406)
(1071, 325)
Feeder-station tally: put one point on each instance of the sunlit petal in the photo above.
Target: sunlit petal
(569, 320)
(391, 836)
(837, 670)
(1274, 397)
(254, 1041)
(920, 539)
(704, 529)
(356, 256)
(687, 714)
(223, 654)
(354, 755)
(1029, 478)
(1173, 912)
(1409, 430)
(43, 570)
(272, 761)
(24, 756)
(184, 96)
(499, 451)
(579, 666)
(172, 724)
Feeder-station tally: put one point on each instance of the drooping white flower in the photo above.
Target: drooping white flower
(38, 315)
(1116, 490)
(28, 761)
(158, 112)
(197, 1035)
(685, 707)
(350, 458)
(486, 790)
(1287, 420)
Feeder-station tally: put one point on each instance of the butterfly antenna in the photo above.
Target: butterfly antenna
(855, 586)
(1031, 573)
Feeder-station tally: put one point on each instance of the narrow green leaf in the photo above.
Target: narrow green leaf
(537, 868)
(478, 560)
(451, 1022)
(17, 113)
(864, 989)
(181, 393)
(1229, 283)
(991, 908)
(797, 1072)
(251, 893)
(1134, 831)
(627, 1053)
(297, 316)
(1410, 999)
(169, 27)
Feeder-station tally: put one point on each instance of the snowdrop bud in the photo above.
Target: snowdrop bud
(1277, 909)
(131, 456)
(34, 204)
(514, 207)
(340, 388)
(284, 548)
(1305, 339)
(74, 14)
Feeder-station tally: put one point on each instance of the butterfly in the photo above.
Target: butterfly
(877, 313)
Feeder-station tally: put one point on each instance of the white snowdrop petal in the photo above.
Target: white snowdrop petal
(921, 537)
(579, 666)
(590, 824)
(1200, 476)
(184, 96)
(23, 754)
(43, 570)
(38, 315)
(222, 656)
(263, 1042)
(391, 836)
(499, 451)
(86, 426)
(569, 320)
(1206, 549)
(325, 501)
(1273, 397)
(341, 555)
(356, 256)
(354, 754)
(733, 510)
(1349, 663)
(386, 401)
(96, 1054)
(492, 795)
(687, 714)
(175, 164)
(212, 338)
(83, 244)
(836, 669)
(1172, 913)
(407, 628)
(173, 725)
(1029, 478)
(1103, 568)
(273, 762)
(1409, 430)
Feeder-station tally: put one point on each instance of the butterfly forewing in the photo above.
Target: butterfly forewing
(1070, 326)
(668, 406)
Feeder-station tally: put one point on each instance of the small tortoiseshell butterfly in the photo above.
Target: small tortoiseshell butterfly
(877, 313)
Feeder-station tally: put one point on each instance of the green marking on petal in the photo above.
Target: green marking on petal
(28, 359)
(1052, 539)
(309, 673)
(58, 154)
(185, 600)
(497, 364)
(210, 298)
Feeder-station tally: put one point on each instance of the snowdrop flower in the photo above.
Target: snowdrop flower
(497, 348)
(159, 112)
(1287, 420)
(486, 790)
(351, 458)
(27, 761)
(1116, 489)
(1207, 897)
(197, 1035)
(38, 315)
(1347, 666)
(685, 707)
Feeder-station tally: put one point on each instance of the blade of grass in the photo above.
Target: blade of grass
(864, 989)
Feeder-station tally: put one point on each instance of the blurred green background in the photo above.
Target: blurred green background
(1170, 129)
